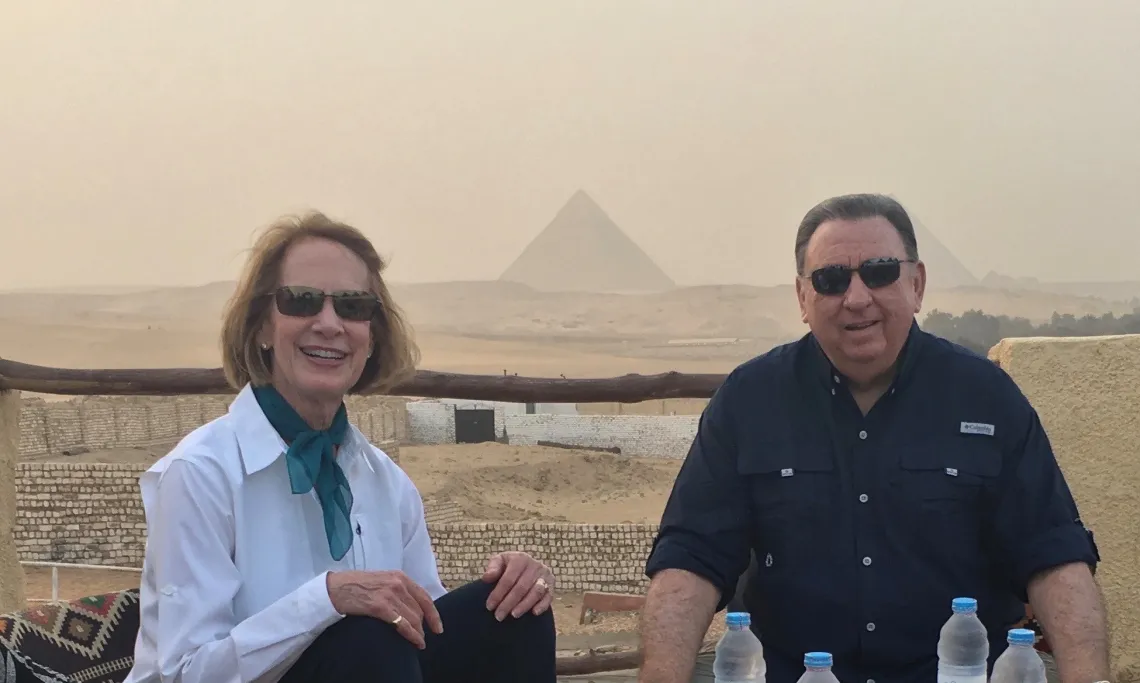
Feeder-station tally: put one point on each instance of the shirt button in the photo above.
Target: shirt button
(836, 378)
(833, 392)
(863, 498)
(871, 626)
(863, 435)
(866, 562)
(870, 680)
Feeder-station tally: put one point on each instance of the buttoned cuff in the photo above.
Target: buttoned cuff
(1057, 546)
(316, 601)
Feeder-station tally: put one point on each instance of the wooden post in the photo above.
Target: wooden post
(11, 573)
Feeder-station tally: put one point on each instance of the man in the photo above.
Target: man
(875, 472)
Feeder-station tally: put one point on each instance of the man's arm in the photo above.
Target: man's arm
(701, 548)
(678, 610)
(1046, 552)
(1067, 602)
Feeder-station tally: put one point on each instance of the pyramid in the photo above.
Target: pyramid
(583, 250)
(943, 269)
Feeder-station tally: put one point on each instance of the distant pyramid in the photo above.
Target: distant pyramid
(943, 269)
(583, 250)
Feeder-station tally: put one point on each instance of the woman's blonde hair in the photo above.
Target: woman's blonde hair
(394, 353)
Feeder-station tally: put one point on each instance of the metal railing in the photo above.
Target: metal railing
(55, 574)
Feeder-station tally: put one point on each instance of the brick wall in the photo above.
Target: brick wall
(92, 514)
(100, 422)
(80, 513)
(648, 435)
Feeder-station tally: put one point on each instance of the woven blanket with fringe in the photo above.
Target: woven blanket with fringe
(87, 640)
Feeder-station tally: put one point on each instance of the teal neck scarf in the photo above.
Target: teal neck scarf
(312, 463)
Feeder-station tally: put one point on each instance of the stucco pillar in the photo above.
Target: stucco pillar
(1087, 392)
(11, 573)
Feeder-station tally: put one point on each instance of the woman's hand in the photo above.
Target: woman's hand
(524, 584)
(389, 596)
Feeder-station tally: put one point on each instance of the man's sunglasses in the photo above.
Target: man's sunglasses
(305, 302)
(875, 273)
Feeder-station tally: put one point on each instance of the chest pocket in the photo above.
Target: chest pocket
(792, 492)
(787, 481)
(948, 484)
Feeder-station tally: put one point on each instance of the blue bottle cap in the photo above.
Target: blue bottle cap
(817, 660)
(1021, 636)
(964, 605)
(738, 619)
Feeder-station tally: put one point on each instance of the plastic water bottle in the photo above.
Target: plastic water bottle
(817, 668)
(963, 646)
(739, 655)
(1020, 662)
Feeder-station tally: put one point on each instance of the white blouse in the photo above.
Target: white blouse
(233, 584)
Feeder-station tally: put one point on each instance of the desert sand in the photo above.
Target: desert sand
(476, 327)
(493, 482)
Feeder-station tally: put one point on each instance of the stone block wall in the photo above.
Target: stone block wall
(102, 422)
(93, 514)
(599, 557)
(80, 513)
(668, 436)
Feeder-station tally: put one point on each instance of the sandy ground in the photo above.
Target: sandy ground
(496, 482)
(472, 327)
(493, 482)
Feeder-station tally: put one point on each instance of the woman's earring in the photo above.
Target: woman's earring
(264, 346)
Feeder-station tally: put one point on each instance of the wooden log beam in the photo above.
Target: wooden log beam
(426, 383)
(597, 663)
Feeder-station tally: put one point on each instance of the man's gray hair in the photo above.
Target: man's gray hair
(853, 207)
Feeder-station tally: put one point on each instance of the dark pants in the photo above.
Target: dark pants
(473, 647)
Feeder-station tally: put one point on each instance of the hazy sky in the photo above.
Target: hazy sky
(143, 141)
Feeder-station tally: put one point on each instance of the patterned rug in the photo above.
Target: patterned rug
(88, 640)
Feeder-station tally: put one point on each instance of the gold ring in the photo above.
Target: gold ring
(398, 619)
(541, 583)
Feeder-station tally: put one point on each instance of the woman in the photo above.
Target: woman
(282, 546)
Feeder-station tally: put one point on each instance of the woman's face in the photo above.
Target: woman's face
(317, 358)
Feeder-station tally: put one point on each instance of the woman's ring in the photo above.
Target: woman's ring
(398, 619)
(542, 584)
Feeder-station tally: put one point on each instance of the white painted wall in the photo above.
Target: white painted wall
(666, 436)
(433, 422)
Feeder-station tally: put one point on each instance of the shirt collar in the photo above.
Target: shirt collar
(260, 444)
(826, 373)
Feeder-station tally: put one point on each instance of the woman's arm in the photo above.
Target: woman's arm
(191, 540)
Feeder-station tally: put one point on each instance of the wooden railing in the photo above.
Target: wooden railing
(426, 384)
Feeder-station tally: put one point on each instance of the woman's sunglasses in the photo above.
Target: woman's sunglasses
(305, 302)
(875, 273)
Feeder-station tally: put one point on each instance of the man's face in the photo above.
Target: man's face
(863, 328)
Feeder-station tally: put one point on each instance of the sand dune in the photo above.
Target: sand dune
(481, 327)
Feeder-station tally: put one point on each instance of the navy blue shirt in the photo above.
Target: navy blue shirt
(864, 528)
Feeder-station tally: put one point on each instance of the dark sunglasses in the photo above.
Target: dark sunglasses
(305, 302)
(875, 273)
